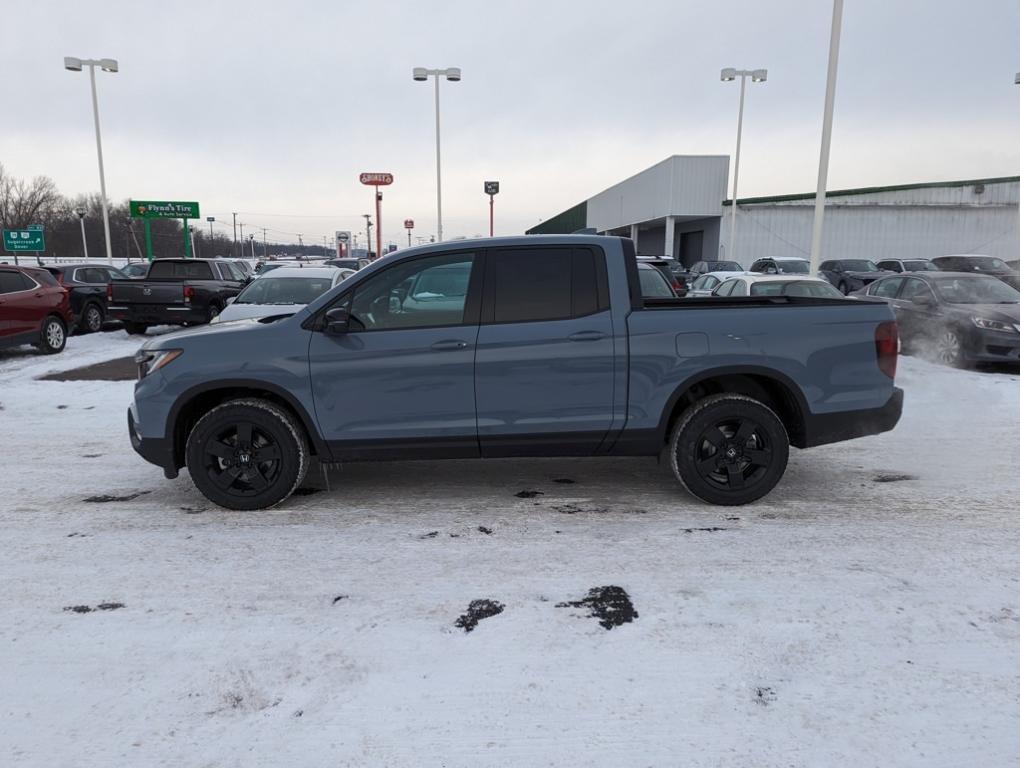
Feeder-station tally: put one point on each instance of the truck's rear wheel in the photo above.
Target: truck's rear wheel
(729, 449)
(247, 454)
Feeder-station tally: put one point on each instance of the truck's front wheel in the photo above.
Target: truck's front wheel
(247, 454)
(729, 449)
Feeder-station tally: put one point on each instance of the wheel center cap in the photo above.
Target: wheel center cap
(244, 458)
(731, 453)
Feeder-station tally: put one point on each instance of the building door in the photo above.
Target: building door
(690, 247)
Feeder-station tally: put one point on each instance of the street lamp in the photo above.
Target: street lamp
(73, 64)
(728, 75)
(368, 234)
(421, 74)
(84, 243)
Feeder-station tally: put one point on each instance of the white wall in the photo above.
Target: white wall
(914, 223)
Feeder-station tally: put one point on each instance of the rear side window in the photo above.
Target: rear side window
(12, 282)
(543, 284)
(893, 265)
(43, 277)
(739, 288)
(887, 289)
(193, 270)
(653, 284)
(91, 275)
(913, 287)
(725, 289)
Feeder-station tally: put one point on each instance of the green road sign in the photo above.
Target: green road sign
(28, 239)
(163, 209)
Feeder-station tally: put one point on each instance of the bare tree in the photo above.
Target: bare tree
(23, 203)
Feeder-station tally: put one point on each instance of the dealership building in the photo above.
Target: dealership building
(679, 207)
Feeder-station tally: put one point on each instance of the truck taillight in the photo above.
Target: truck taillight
(887, 342)
(189, 292)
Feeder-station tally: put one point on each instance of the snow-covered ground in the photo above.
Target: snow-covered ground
(842, 621)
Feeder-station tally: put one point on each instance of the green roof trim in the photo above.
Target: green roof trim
(871, 190)
(564, 223)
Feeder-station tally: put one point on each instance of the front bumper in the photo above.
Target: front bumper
(155, 450)
(993, 347)
(820, 429)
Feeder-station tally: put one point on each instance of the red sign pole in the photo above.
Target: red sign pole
(378, 223)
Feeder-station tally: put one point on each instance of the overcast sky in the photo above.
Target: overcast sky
(273, 108)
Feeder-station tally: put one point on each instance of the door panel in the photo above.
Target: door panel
(545, 358)
(402, 378)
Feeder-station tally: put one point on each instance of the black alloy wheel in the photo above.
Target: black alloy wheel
(729, 449)
(247, 454)
(92, 319)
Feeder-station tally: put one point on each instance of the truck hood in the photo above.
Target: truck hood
(179, 339)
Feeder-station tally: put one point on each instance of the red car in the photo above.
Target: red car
(34, 309)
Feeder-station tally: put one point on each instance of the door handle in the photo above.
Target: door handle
(450, 344)
(587, 336)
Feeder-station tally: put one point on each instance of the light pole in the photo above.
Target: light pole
(1016, 81)
(728, 75)
(191, 234)
(84, 242)
(368, 234)
(233, 249)
(823, 155)
(210, 219)
(107, 65)
(421, 74)
(251, 239)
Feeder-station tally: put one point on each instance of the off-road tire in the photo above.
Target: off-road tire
(234, 482)
(704, 468)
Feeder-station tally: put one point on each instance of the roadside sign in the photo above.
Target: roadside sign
(492, 187)
(343, 237)
(376, 179)
(408, 223)
(163, 209)
(28, 239)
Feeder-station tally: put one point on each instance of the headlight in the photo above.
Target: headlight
(993, 325)
(150, 360)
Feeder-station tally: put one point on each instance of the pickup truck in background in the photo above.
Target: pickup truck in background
(174, 292)
(518, 346)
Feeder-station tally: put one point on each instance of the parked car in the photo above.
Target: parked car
(86, 285)
(777, 285)
(958, 317)
(654, 284)
(174, 292)
(280, 292)
(243, 268)
(849, 274)
(135, 270)
(907, 265)
(781, 265)
(1014, 265)
(34, 309)
(666, 267)
(348, 263)
(985, 265)
(514, 346)
(705, 267)
(706, 284)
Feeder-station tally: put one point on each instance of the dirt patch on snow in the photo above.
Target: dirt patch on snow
(90, 609)
(120, 369)
(892, 478)
(107, 498)
(611, 605)
(528, 494)
(478, 610)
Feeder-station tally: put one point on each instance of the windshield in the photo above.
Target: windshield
(284, 290)
(859, 265)
(723, 266)
(653, 284)
(972, 264)
(345, 263)
(794, 267)
(919, 265)
(975, 290)
(812, 288)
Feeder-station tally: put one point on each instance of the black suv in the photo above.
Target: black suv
(850, 274)
(86, 284)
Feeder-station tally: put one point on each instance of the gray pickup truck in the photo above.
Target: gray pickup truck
(523, 346)
(174, 292)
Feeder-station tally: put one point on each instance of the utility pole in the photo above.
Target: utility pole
(251, 239)
(368, 233)
(265, 245)
(301, 248)
(234, 249)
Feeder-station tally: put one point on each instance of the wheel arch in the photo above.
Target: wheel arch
(776, 390)
(200, 399)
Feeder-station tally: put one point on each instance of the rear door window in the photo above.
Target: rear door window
(913, 287)
(535, 284)
(189, 270)
(739, 288)
(886, 289)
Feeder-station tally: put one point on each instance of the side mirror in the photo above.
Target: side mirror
(922, 300)
(338, 321)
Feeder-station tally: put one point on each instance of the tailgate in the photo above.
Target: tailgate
(146, 292)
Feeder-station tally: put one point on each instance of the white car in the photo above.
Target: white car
(778, 285)
(781, 265)
(281, 291)
(706, 284)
